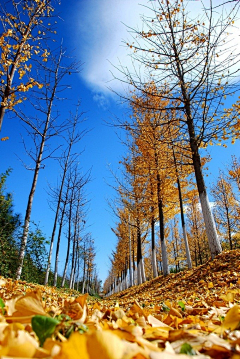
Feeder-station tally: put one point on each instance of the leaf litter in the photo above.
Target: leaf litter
(191, 314)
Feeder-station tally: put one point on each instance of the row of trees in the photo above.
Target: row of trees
(34, 69)
(80, 271)
(183, 73)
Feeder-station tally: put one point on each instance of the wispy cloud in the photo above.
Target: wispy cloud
(101, 100)
(100, 34)
(101, 30)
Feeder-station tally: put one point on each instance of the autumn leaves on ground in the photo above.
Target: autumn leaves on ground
(193, 313)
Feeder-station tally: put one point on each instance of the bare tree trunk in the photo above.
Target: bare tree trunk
(37, 167)
(71, 140)
(69, 244)
(84, 272)
(130, 255)
(58, 247)
(188, 255)
(56, 218)
(154, 257)
(75, 238)
(27, 220)
(161, 230)
(73, 261)
(59, 238)
(139, 254)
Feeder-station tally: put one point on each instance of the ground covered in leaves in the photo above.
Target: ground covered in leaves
(195, 314)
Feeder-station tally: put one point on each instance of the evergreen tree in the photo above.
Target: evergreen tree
(9, 222)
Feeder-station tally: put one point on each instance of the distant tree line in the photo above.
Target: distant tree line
(36, 255)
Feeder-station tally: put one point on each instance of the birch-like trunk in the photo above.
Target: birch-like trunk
(69, 244)
(27, 221)
(188, 255)
(57, 210)
(143, 271)
(59, 238)
(84, 275)
(73, 262)
(154, 256)
(58, 245)
(130, 257)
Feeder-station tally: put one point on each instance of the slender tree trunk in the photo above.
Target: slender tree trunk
(161, 230)
(188, 255)
(84, 274)
(130, 256)
(229, 227)
(76, 234)
(59, 238)
(56, 214)
(139, 254)
(73, 261)
(143, 271)
(154, 256)
(27, 221)
(58, 247)
(69, 244)
(199, 252)
(34, 184)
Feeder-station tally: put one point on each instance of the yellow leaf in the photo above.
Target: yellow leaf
(229, 297)
(232, 318)
(74, 348)
(30, 304)
(210, 285)
(104, 345)
(19, 342)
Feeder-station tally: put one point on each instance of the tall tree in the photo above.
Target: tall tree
(74, 134)
(42, 130)
(225, 209)
(182, 55)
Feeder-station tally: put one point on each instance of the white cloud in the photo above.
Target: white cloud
(101, 100)
(101, 30)
(101, 33)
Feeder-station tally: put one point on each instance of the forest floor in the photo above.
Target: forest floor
(191, 314)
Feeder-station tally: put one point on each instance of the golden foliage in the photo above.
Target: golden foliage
(194, 312)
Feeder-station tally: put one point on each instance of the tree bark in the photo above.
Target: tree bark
(188, 255)
(161, 230)
(69, 244)
(154, 257)
(58, 242)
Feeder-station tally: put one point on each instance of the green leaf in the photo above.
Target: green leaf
(44, 327)
(165, 308)
(83, 329)
(187, 349)
(63, 317)
(182, 305)
(2, 306)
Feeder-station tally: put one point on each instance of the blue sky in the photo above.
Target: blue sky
(93, 31)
